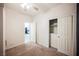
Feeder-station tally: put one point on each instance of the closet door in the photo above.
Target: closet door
(65, 33)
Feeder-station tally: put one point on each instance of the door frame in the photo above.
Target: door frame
(50, 33)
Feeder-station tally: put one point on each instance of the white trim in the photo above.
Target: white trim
(15, 45)
(4, 17)
(74, 34)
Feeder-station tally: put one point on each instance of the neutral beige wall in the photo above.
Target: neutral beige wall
(1, 30)
(42, 21)
(14, 27)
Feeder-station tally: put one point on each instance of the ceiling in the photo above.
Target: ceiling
(37, 8)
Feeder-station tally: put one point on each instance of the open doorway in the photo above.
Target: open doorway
(27, 35)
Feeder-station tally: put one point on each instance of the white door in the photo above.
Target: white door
(65, 32)
(54, 40)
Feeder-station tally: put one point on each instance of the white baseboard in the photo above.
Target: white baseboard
(45, 45)
(14, 46)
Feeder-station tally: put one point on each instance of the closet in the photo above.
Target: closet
(61, 33)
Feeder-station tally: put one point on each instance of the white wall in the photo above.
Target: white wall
(14, 27)
(33, 31)
(61, 10)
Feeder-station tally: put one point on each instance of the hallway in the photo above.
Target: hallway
(51, 25)
(32, 49)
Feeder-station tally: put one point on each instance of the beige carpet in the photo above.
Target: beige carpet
(32, 49)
